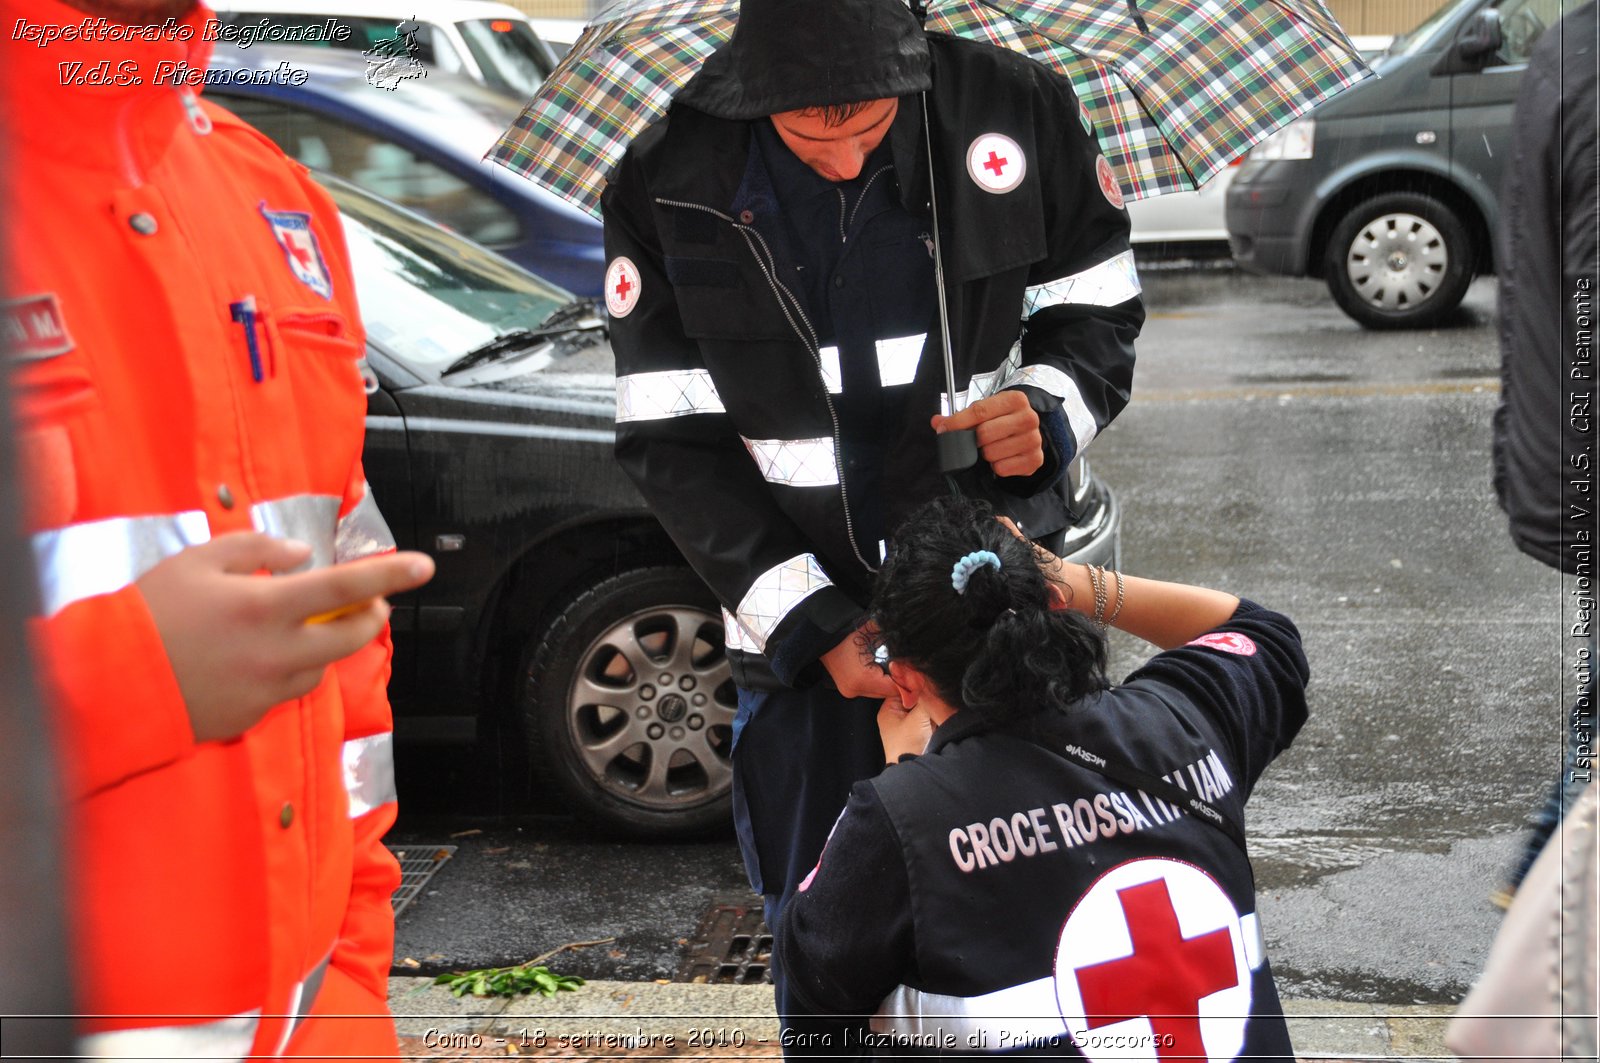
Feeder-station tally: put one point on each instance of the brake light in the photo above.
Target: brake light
(501, 25)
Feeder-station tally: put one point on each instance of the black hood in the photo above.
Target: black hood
(789, 54)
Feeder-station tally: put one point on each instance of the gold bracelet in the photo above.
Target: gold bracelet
(1117, 611)
(1097, 580)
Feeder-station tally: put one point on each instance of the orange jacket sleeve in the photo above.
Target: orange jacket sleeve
(100, 644)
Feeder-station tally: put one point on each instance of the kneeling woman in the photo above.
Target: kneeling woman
(1049, 863)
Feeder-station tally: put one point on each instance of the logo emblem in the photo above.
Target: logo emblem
(1228, 642)
(1108, 182)
(1154, 954)
(34, 328)
(394, 59)
(292, 230)
(622, 286)
(995, 163)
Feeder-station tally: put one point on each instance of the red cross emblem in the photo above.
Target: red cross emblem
(996, 163)
(1154, 949)
(292, 230)
(1108, 182)
(622, 286)
(1166, 977)
(1228, 642)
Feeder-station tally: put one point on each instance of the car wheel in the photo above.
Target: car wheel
(1399, 260)
(630, 705)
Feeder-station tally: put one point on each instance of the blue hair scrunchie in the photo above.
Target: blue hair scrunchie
(963, 570)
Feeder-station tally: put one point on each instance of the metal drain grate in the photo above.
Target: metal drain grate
(417, 865)
(732, 946)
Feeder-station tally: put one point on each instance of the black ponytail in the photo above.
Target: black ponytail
(996, 648)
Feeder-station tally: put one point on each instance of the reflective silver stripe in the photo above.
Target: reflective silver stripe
(831, 376)
(223, 1039)
(982, 385)
(735, 637)
(775, 592)
(795, 462)
(1026, 1012)
(898, 358)
(362, 532)
(369, 772)
(1049, 378)
(1113, 281)
(1255, 942)
(897, 362)
(101, 557)
(301, 1000)
(312, 519)
(674, 393)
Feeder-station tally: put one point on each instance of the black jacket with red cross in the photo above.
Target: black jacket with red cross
(995, 894)
(728, 406)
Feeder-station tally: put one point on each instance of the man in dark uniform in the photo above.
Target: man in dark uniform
(775, 325)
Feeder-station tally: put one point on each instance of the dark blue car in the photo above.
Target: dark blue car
(419, 144)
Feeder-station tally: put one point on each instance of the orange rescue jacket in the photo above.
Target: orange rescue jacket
(224, 894)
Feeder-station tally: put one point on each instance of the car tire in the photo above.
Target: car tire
(1399, 260)
(629, 706)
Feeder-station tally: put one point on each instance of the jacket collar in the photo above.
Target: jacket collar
(99, 126)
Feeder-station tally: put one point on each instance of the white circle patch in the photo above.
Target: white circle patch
(622, 286)
(1151, 964)
(996, 163)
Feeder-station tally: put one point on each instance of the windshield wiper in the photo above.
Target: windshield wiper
(521, 339)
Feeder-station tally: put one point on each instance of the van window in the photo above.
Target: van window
(381, 167)
(1522, 23)
(508, 52)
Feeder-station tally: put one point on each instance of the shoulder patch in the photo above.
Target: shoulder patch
(1108, 183)
(292, 230)
(995, 163)
(622, 286)
(1227, 642)
(34, 328)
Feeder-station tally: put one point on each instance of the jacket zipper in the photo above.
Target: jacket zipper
(807, 336)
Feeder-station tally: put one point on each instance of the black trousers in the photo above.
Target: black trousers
(795, 756)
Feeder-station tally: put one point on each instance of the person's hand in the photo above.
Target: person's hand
(1008, 432)
(903, 730)
(240, 644)
(852, 668)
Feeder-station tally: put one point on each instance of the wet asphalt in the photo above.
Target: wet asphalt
(1277, 450)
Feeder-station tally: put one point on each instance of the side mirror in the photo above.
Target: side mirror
(1481, 36)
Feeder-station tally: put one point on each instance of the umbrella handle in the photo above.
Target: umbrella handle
(957, 450)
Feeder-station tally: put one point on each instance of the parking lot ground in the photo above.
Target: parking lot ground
(627, 1020)
(1275, 449)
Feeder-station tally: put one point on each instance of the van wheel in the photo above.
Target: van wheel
(629, 705)
(1399, 260)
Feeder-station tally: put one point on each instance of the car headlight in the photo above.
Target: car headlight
(1294, 141)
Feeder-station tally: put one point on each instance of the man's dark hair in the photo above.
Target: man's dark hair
(837, 114)
(997, 649)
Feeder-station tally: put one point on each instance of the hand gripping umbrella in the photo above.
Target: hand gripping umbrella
(1173, 90)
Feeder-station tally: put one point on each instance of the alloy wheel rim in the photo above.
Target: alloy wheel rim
(1397, 262)
(650, 711)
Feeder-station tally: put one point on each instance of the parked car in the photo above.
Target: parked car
(491, 43)
(421, 146)
(1389, 190)
(1184, 217)
(561, 613)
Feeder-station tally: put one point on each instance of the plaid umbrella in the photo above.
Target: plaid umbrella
(1173, 89)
